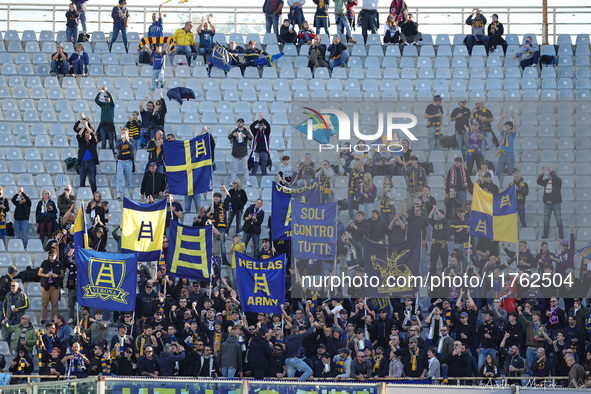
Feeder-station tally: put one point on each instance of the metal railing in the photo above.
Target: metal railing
(432, 20)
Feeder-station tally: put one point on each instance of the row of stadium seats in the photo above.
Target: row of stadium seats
(270, 38)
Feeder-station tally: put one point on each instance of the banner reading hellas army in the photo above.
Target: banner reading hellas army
(261, 283)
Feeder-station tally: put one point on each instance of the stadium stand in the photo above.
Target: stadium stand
(551, 110)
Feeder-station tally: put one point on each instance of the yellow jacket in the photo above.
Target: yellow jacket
(183, 37)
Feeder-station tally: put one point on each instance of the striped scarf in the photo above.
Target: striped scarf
(2, 224)
(40, 347)
(21, 367)
(452, 176)
(157, 40)
(376, 364)
(106, 365)
(349, 338)
(76, 365)
(217, 338)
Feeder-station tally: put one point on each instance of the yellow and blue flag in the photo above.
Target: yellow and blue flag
(314, 230)
(281, 206)
(261, 283)
(142, 229)
(267, 61)
(494, 217)
(189, 167)
(189, 251)
(220, 57)
(106, 280)
(585, 251)
(80, 230)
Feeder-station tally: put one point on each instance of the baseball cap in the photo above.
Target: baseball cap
(153, 163)
(463, 314)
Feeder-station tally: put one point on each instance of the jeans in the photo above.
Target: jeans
(262, 163)
(137, 144)
(531, 354)
(320, 23)
(305, 40)
(462, 196)
(521, 213)
(235, 163)
(228, 372)
(118, 27)
(366, 207)
(340, 61)
(482, 356)
(72, 304)
(528, 62)
(507, 159)
(369, 21)
(296, 16)
(21, 227)
(222, 231)
(295, 364)
(460, 142)
(72, 34)
(157, 80)
(205, 52)
(88, 167)
(255, 241)
(433, 139)
(82, 18)
(61, 68)
(107, 130)
(238, 215)
(548, 209)
(487, 144)
(471, 41)
(124, 167)
(350, 202)
(196, 199)
(272, 20)
(185, 50)
(343, 24)
(80, 67)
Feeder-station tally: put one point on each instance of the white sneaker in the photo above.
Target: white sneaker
(118, 196)
(248, 184)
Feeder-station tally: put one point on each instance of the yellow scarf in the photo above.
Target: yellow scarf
(414, 359)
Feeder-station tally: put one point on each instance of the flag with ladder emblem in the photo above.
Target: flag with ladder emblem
(106, 280)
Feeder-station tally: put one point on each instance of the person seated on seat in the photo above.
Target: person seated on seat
(251, 54)
(477, 20)
(409, 30)
(185, 41)
(337, 53)
(234, 49)
(287, 34)
(391, 31)
(529, 53)
(317, 54)
(59, 61)
(305, 35)
(495, 33)
(79, 61)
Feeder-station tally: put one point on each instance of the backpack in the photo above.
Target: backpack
(83, 37)
(144, 57)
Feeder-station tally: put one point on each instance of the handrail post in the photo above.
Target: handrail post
(8, 17)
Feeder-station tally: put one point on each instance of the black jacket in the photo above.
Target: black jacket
(237, 199)
(250, 226)
(83, 145)
(152, 184)
(259, 353)
(21, 211)
(258, 138)
(556, 195)
(49, 215)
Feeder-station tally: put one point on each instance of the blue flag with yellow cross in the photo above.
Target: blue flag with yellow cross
(189, 251)
(261, 283)
(142, 229)
(189, 168)
(494, 217)
(106, 280)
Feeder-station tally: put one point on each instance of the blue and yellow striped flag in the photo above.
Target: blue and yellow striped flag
(494, 217)
(188, 166)
(80, 231)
